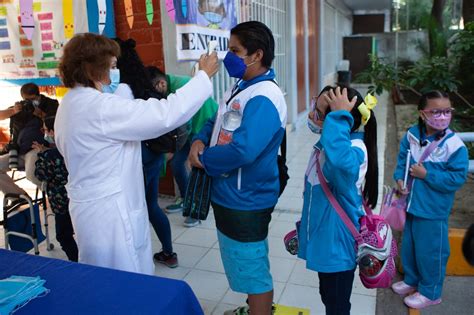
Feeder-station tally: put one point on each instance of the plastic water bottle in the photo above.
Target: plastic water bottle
(231, 121)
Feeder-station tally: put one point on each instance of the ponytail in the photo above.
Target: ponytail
(371, 187)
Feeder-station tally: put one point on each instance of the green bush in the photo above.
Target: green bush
(433, 73)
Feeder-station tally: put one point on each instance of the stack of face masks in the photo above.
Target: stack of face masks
(16, 291)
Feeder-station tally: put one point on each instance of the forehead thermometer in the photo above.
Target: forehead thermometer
(211, 47)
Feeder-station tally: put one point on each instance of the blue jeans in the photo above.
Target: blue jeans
(152, 164)
(178, 167)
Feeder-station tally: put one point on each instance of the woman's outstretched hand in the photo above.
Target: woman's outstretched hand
(209, 64)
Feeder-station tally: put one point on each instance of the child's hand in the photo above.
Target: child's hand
(339, 101)
(418, 171)
(403, 191)
(38, 146)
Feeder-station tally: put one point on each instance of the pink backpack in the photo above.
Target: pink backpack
(291, 240)
(376, 248)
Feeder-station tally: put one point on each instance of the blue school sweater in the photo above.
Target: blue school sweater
(446, 166)
(325, 242)
(245, 172)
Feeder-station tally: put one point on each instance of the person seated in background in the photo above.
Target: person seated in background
(43, 105)
(166, 84)
(50, 169)
(25, 128)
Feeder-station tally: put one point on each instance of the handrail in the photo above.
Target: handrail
(467, 137)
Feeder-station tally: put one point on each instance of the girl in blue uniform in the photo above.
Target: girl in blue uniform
(425, 245)
(347, 153)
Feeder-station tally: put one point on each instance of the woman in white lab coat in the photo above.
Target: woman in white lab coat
(99, 136)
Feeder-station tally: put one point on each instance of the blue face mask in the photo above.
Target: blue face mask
(313, 127)
(213, 17)
(235, 65)
(49, 138)
(114, 75)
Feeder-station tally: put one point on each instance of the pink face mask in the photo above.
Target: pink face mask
(438, 119)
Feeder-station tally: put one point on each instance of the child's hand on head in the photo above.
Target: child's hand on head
(418, 171)
(338, 100)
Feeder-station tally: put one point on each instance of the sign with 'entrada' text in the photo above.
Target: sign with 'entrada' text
(200, 21)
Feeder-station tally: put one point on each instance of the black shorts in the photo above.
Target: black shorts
(243, 226)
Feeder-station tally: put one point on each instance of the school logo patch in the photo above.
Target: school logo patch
(438, 154)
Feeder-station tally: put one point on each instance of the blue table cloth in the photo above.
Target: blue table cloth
(84, 289)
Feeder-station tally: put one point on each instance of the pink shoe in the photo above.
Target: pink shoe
(419, 301)
(402, 288)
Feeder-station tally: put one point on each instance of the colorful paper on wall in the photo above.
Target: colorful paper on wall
(68, 17)
(61, 91)
(198, 22)
(170, 9)
(149, 11)
(102, 4)
(129, 12)
(26, 57)
(26, 18)
(184, 8)
(37, 7)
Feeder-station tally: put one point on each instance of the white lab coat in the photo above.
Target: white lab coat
(99, 136)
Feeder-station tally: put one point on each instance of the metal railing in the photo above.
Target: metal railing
(468, 137)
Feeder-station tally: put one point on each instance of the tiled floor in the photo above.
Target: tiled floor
(198, 252)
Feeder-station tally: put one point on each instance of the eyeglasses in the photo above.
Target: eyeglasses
(437, 113)
(317, 114)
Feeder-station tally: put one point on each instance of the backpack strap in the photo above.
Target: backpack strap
(433, 145)
(283, 146)
(236, 90)
(342, 214)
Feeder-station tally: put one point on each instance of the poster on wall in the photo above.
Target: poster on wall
(198, 22)
(33, 33)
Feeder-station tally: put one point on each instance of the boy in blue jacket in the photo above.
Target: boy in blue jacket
(239, 149)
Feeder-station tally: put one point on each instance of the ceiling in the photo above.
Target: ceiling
(368, 4)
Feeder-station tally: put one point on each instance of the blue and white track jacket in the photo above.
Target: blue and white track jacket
(325, 242)
(245, 173)
(433, 196)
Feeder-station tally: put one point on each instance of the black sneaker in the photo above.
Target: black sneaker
(170, 260)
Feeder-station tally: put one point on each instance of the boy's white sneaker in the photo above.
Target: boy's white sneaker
(402, 288)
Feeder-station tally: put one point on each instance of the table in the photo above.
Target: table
(84, 289)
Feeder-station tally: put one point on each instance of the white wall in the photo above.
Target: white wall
(336, 22)
(408, 42)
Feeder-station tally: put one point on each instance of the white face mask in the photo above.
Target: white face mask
(314, 127)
